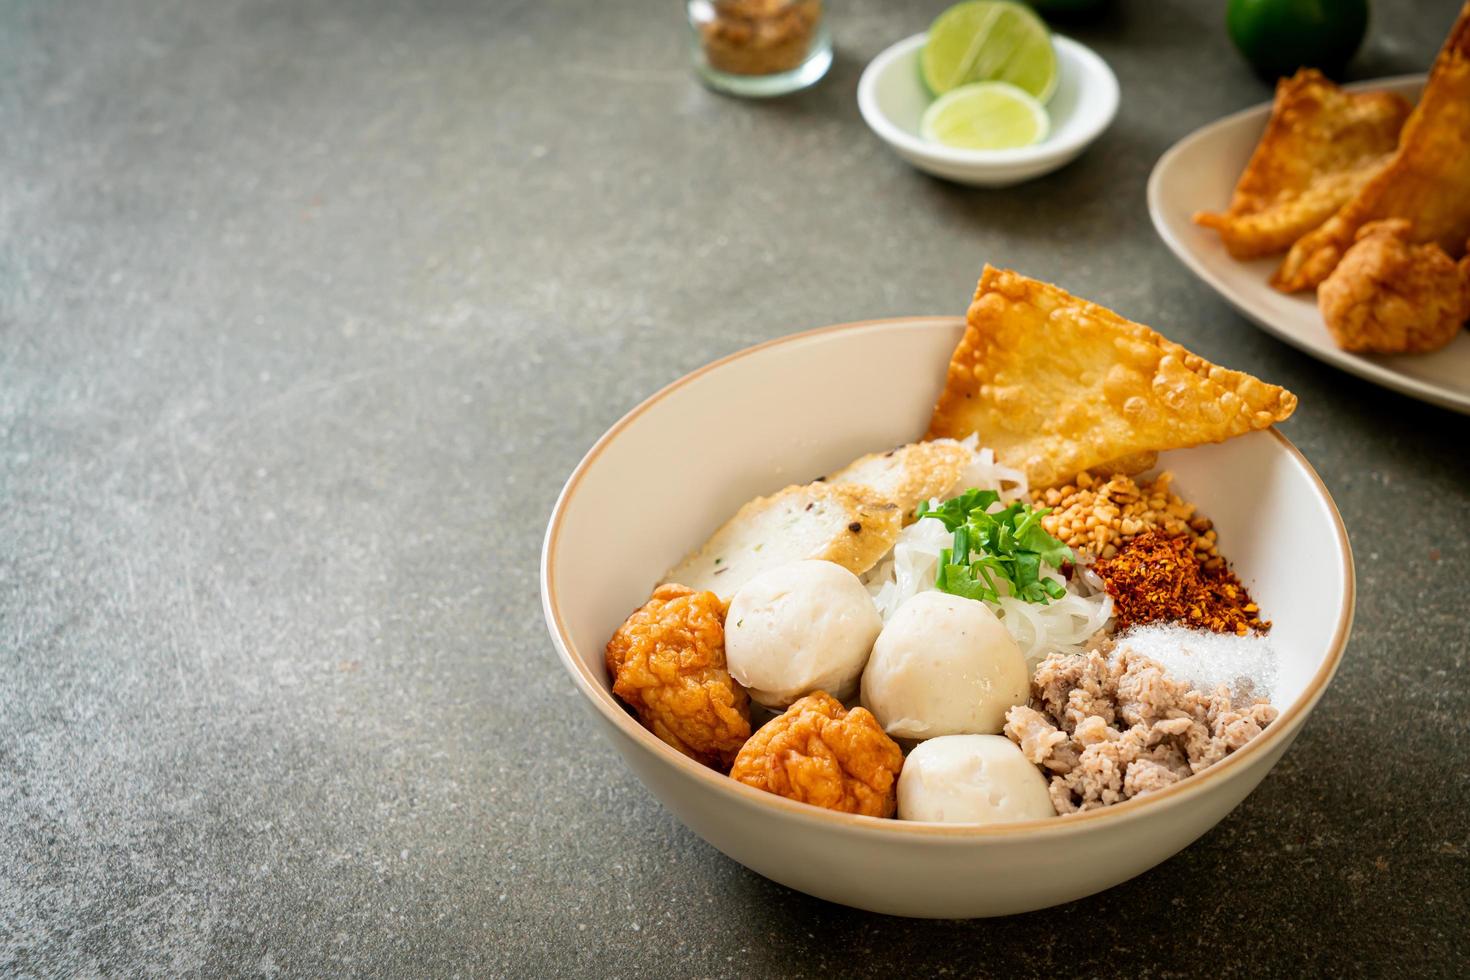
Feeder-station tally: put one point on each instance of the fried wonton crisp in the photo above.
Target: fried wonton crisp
(1426, 182)
(1057, 385)
(1320, 147)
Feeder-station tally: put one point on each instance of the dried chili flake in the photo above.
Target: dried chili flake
(1157, 578)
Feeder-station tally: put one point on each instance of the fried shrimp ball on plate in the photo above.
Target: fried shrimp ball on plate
(667, 661)
(820, 753)
(1390, 296)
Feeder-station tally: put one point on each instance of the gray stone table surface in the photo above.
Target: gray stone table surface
(308, 307)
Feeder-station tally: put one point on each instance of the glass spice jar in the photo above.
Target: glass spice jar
(759, 47)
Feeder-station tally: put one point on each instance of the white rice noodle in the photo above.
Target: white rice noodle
(910, 568)
(984, 473)
(1064, 625)
(1061, 626)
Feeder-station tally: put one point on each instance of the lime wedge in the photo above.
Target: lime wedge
(989, 41)
(985, 116)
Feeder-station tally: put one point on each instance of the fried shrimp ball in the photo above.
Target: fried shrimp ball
(822, 754)
(1390, 296)
(667, 661)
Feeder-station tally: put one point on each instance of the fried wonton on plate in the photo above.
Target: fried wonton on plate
(1320, 147)
(1426, 182)
(1057, 385)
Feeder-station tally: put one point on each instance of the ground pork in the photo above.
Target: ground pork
(1109, 726)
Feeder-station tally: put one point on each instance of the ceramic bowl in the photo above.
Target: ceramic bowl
(892, 99)
(674, 468)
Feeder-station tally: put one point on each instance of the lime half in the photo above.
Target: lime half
(989, 41)
(986, 116)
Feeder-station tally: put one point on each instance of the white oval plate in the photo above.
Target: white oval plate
(1199, 173)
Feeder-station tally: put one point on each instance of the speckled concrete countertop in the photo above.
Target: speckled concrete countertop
(307, 311)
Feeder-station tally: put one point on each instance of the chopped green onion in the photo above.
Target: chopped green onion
(1009, 544)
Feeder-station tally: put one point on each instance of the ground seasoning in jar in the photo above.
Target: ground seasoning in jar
(758, 37)
(1157, 578)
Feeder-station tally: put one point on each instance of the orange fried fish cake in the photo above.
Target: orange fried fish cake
(1320, 147)
(1426, 182)
(1389, 296)
(667, 661)
(820, 753)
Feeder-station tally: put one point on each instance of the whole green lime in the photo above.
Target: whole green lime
(1279, 36)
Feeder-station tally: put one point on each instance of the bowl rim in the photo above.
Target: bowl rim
(602, 699)
(1093, 66)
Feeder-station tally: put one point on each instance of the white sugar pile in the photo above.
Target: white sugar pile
(1246, 665)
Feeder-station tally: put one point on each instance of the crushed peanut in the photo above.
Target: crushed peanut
(1100, 516)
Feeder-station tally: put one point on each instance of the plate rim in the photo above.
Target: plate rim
(1426, 391)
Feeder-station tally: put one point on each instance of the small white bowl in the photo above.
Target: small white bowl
(892, 99)
(674, 468)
